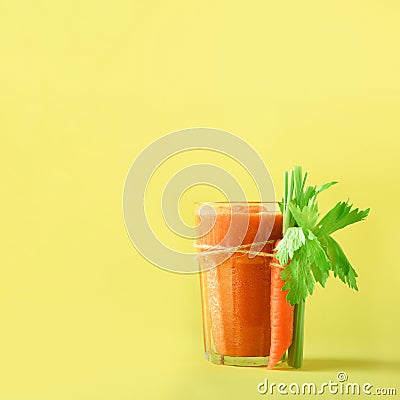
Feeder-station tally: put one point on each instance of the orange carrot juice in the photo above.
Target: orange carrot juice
(236, 292)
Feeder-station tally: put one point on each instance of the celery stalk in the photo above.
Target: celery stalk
(295, 354)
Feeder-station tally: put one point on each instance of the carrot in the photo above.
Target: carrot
(281, 316)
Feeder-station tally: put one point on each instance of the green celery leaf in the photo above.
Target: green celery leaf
(309, 196)
(325, 186)
(306, 217)
(317, 191)
(340, 264)
(294, 238)
(339, 217)
(298, 184)
(318, 259)
(307, 249)
(298, 278)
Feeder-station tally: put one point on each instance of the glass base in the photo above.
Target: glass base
(220, 359)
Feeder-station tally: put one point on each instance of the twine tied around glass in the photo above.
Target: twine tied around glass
(215, 253)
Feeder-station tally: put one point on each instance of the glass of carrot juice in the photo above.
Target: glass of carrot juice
(235, 243)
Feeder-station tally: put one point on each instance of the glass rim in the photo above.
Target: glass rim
(252, 207)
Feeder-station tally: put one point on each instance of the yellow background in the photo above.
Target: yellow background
(86, 85)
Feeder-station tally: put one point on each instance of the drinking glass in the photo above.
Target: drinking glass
(235, 243)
